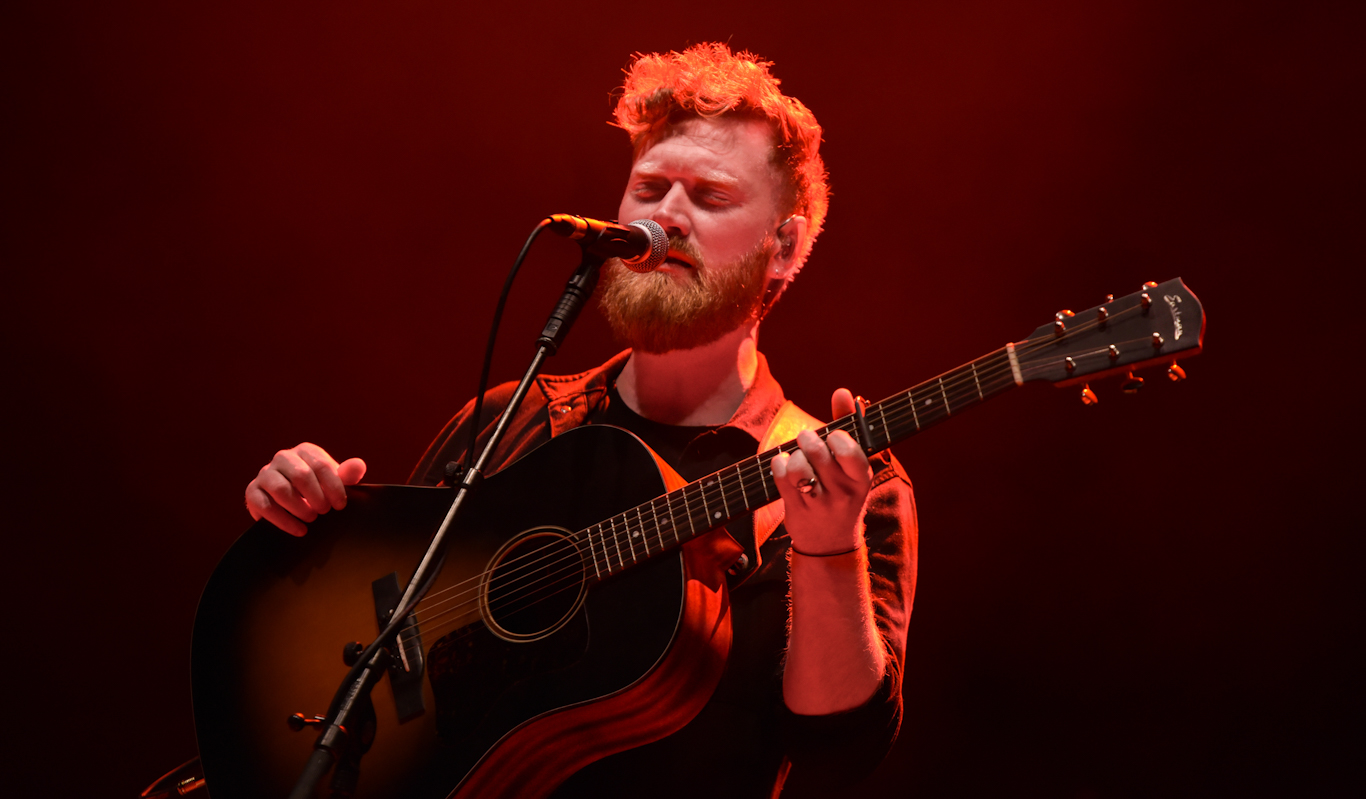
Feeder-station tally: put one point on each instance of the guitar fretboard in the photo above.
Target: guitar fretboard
(666, 522)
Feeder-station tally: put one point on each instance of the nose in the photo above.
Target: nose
(672, 211)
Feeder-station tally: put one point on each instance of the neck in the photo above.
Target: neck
(701, 386)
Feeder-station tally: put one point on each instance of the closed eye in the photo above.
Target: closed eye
(649, 190)
(713, 199)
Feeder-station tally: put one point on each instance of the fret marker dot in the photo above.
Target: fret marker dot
(716, 515)
(929, 402)
(636, 534)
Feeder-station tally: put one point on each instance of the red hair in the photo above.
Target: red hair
(708, 80)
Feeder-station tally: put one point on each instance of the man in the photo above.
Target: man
(730, 168)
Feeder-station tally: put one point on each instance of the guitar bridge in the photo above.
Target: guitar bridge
(405, 668)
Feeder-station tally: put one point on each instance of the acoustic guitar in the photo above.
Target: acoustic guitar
(568, 622)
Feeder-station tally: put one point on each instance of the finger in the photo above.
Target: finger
(325, 472)
(818, 456)
(791, 468)
(798, 478)
(788, 472)
(279, 489)
(846, 474)
(286, 522)
(351, 471)
(257, 502)
(263, 507)
(292, 466)
(799, 468)
(849, 456)
(841, 403)
(779, 465)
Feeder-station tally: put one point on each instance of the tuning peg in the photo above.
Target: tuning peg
(1114, 353)
(1059, 323)
(1132, 383)
(298, 721)
(1175, 373)
(1088, 397)
(1144, 299)
(1158, 341)
(1102, 313)
(1070, 364)
(1109, 298)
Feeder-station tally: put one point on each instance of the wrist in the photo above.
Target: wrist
(853, 550)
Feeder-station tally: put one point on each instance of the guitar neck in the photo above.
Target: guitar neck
(668, 521)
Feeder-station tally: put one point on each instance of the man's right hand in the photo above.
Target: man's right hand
(300, 483)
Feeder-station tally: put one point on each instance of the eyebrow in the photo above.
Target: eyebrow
(719, 180)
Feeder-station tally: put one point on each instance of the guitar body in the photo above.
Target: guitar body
(530, 675)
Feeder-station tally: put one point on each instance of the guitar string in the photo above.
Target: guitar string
(546, 586)
(724, 491)
(570, 578)
(575, 557)
(573, 570)
(565, 563)
(568, 563)
(1027, 348)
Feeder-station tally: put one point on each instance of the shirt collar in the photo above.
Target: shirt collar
(572, 398)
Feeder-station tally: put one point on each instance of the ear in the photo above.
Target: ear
(791, 236)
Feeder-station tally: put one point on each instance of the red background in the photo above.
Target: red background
(234, 227)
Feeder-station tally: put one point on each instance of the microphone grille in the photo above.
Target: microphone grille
(659, 247)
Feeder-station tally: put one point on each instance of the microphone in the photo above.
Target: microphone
(641, 245)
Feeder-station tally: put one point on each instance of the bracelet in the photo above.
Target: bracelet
(854, 548)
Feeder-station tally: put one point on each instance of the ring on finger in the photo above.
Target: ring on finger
(808, 485)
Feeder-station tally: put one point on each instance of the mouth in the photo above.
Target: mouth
(678, 259)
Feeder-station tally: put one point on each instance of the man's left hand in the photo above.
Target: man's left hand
(822, 517)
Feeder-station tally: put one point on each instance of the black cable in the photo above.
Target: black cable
(493, 337)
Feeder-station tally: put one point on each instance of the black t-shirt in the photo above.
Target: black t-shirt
(669, 442)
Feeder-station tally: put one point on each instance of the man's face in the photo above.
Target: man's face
(712, 187)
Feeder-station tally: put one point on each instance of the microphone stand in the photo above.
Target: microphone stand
(351, 705)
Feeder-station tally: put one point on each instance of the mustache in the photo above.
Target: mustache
(683, 245)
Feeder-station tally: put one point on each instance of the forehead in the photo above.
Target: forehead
(726, 149)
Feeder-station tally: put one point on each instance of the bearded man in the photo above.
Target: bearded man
(730, 168)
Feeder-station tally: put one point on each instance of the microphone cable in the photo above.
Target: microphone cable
(488, 351)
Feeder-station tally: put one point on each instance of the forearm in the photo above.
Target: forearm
(835, 656)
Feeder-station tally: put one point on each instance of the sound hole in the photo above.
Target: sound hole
(536, 583)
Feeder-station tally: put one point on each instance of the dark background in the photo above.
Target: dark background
(234, 227)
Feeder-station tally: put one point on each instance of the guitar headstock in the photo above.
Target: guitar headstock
(1155, 325)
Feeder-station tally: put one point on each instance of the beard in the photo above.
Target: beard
(656, 312)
